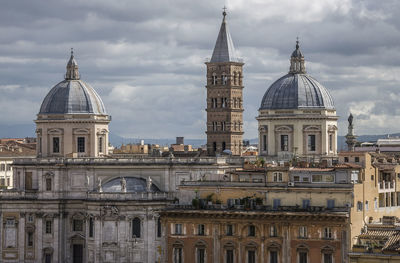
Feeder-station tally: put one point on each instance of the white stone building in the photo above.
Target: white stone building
(74, 203)
(297, 116)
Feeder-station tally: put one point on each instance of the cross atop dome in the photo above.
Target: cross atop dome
(72, 68)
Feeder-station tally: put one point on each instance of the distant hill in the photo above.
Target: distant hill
(28, 130)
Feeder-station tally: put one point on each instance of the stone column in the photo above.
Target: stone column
(21, 237)
(98, 238)
(39, 237)
(56, 242)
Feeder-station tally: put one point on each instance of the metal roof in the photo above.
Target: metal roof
(72, 97)
(294, 91)
(224, 50)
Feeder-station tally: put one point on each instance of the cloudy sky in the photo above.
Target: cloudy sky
(146, 57)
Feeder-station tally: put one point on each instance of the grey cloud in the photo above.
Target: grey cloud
(146, 58)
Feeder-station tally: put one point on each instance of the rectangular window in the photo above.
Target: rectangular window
(91, 227)
(331, 142)
(201, 255)
(323, 178)
(159, 227)
(265, 142)
(229, 256)
(327, 233)
(366, 205)
(49, 226)
(357, 159)
(303, 232)
(56, 144)
(251, 256)
(28, 180)
(306, 203)
(273, 256)
(100, 144)
(2, 167)
(178, 255)
(30, 239)
(77, 225)
(30, 218)
(296, 178)
(252, 231)
(200, 230)
(277, 177)
(47, 258)
(359, 206)
(8, 167)
(302, 257)
(311, 143)
(306, 179)
(178, 229)
(346, 159)
(328, 258)
(48, 184)
(229, 230)
(276, 203)
(284, 143)
(330, 203)
(8, 181)
(2, 181)
(81, 144)
(273, 231)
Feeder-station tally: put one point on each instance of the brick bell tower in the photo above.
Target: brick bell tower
(224, 96)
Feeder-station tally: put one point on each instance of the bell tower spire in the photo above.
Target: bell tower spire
(72, 68)
(224, 96)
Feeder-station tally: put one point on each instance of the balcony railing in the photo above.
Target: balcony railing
(68, 195)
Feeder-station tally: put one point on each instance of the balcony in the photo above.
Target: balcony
(387, 186)
(93, 196)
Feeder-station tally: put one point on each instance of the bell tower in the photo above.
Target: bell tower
(224, 96)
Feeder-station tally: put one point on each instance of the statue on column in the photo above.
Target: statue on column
(350, 137)
(99, 188)
(149, 183)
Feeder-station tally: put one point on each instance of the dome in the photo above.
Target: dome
(297, 89)
(72, 96)
(294, 91)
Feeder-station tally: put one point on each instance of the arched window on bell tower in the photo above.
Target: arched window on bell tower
(214, 79)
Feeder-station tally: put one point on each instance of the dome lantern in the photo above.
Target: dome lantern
(297, 63)
(72, 68)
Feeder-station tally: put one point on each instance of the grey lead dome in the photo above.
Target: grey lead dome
(297, 89)
(72, 96)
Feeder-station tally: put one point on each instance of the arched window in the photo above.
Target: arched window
(214, 79)
(223, 125)
(223, 146)
(235, 78)
(136, 227)
(214, 146)
(224, 79)
(239, 79)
